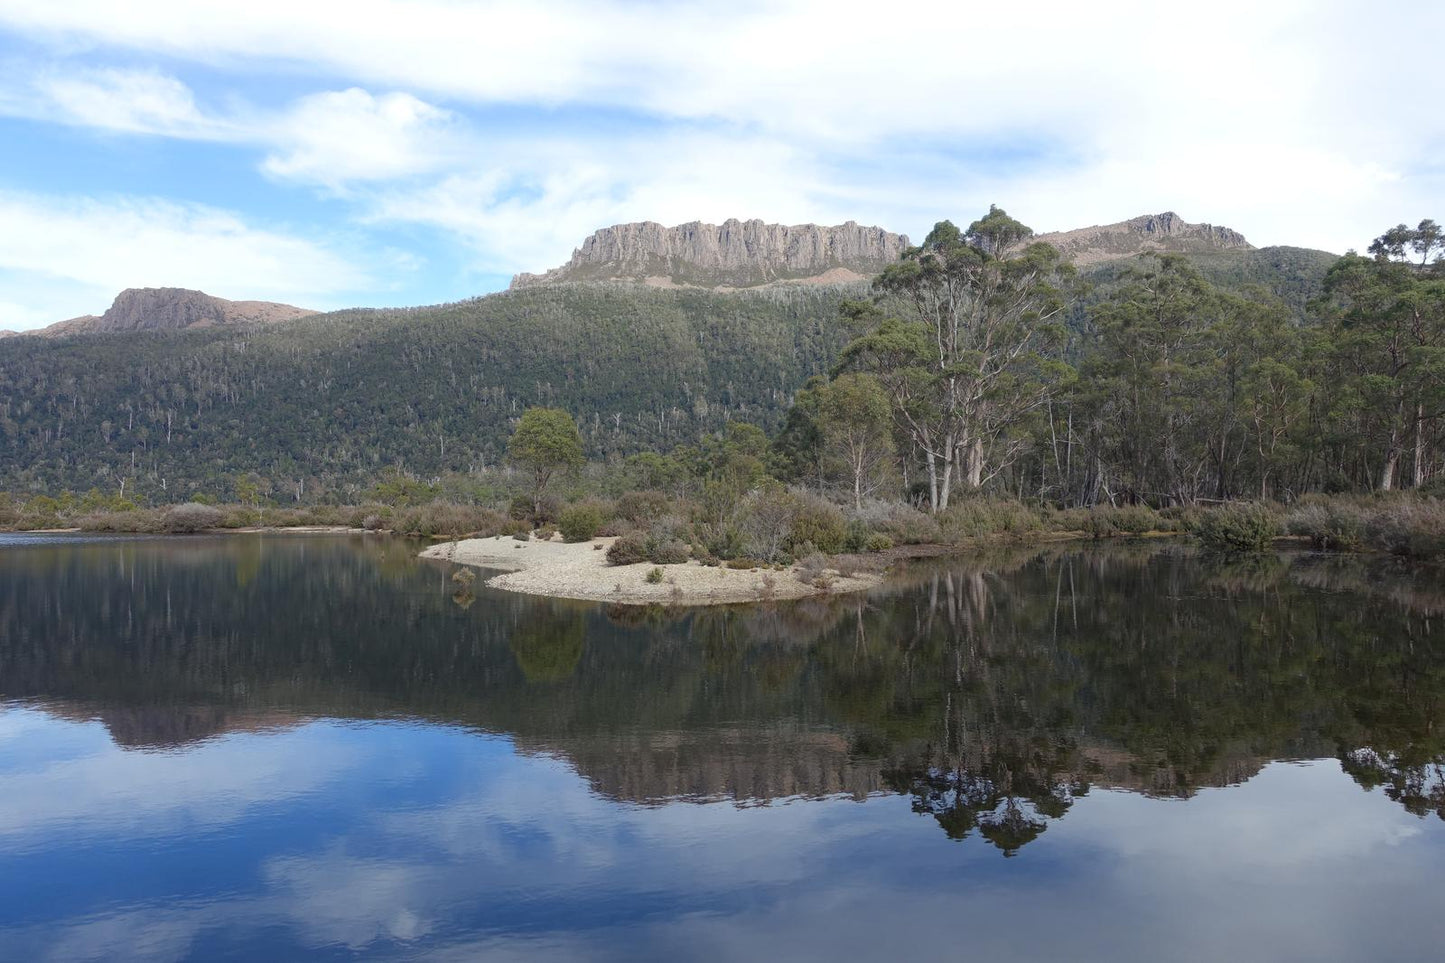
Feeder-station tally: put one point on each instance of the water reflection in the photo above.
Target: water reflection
(312, 745)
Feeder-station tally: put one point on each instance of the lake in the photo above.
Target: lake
(304, 747)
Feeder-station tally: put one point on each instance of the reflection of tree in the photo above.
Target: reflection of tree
(549, 646)
(993, 689)
(1417, 784)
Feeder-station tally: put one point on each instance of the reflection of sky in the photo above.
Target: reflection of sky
(402, 840)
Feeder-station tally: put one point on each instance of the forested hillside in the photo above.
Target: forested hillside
(331, 401)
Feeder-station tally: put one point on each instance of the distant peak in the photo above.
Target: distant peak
(174, 309)
(1165, 233)
(733, 254)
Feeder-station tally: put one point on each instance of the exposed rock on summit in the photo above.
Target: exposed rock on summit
(1167, 233)
(733, 254)
(173, 309)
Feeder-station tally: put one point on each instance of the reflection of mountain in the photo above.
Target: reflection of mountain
(992, 690)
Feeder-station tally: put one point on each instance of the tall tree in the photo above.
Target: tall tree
(856, 431)
(1389, 326)
(545, 441)
(971, 359)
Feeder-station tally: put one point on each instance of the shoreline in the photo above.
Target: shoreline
(580, 570)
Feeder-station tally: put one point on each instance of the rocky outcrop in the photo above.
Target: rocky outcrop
(733, 254)
(173, 309)
(1166, 233)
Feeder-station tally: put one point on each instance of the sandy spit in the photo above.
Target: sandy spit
(580, 571)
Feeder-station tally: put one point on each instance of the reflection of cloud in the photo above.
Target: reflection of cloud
(111, 791)
(423, 842)
(334, 898)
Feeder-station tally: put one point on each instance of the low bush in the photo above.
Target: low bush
(580, 523)
(877, 542)
(906, 525)
(667, 551)
(628, 550)
(1238, 527)
(1412, 528)
(190, 518)
(819, 522)
(813, 568)
(446, 520)
(642, 507)
(654, 576)
(1331, 524)
(1113, 521)
(980, 517)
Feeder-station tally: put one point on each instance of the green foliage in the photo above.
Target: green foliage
(654, 576)
(335, 399)
(1238, 527)
(817, 523)
(628, 550)
(579, 523)
(1331, 524)
(976, 517)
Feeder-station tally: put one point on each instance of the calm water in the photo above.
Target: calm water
(280, 748)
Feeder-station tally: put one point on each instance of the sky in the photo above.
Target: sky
(378, 152)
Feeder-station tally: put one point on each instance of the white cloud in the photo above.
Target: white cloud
(105, 245)
(1295, 122)
(342, 136)
(135, 101)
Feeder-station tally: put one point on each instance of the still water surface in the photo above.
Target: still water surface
(279, 748)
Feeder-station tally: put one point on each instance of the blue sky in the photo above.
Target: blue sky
(378, 152)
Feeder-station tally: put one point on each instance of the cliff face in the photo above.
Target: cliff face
(172, 309)
(1166, 233)
(732, 254)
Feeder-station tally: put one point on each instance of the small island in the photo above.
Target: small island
(580, 570)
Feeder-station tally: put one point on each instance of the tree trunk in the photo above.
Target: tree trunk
(1387, 474)
(974, 460)
(1419, 445)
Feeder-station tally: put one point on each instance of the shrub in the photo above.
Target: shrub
(546, 510)
(447, 519)
(1330, 524)
(1415, 529)
(1238, 527)
(190, 518)
(667, 551)
(654, 576)
(1110, 521)
(819, 522)
(906, 525)
(976, 517)
(580, 523)
(813, 569)
(742, 564)
(877, 542)
(642, 507)
(628, 550)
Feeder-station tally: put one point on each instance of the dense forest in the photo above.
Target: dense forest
(1162, 379)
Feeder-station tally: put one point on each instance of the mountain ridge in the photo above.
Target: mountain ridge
(1161, 233)
(169, 309)
(733, 254)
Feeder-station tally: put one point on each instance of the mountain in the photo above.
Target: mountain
(170, 309)
(1162, 233)
(659, 355)
(733, 254)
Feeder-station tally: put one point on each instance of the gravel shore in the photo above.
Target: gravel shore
(580, 571)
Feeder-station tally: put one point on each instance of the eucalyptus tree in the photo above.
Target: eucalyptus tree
(1388, 314)
(545, 442)
(973, 356)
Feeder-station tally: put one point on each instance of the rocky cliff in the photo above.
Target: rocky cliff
(1167, 232)
(734, 254)
(173, 309)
